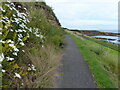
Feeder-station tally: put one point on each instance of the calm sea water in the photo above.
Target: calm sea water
(116, 41)
(117, 38)
(109, 37)
(112, 31)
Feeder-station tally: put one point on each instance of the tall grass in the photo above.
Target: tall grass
(104, 43)
(107, 57)
(44, 54)
(46, 60)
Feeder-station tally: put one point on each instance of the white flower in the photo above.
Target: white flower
(14, 15)
(11, 45)
(20, 35)
(6, 18)
(2, 9)
(17, 20)
(3, 70)
(15, 53)
(24, 30)
(11, 30)
(25, 8)
(37, 35)
(19, 6)
(14, 47)
(19, 39)
(10, 41)
(12, 4)
(31, 68)
(23, 50)
(10, 7)
(7, 5)
(23, 25)
(19, 30)
(17, 75)
(9, 59)
(30, 29)
(2, 41)
(28, 35)
(6, 27)
(41, 36)
(2, 21)
(15, 9)
(28, 20)
(1, 57)
(21, 43)
(22, 84)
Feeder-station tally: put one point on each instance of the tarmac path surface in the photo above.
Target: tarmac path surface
(74, 69)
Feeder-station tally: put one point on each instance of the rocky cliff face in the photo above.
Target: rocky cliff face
(49, 13)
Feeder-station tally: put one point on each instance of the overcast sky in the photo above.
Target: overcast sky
(86, 14)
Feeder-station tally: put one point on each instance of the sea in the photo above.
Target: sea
(117, 38)
(112, 31)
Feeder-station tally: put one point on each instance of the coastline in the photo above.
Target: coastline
(96, 32)
(104, 36)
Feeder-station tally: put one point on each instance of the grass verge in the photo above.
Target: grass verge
(46, 61)
(102, 61)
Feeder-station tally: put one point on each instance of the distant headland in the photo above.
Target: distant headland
(94, 32)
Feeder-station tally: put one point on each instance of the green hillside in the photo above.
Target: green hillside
(32, 40)
(102, 61)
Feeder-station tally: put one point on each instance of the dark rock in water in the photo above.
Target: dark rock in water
(104, 38)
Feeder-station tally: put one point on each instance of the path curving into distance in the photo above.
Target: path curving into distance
(76, 73)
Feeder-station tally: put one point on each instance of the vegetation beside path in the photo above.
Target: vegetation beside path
(102, 61)
(32, 40)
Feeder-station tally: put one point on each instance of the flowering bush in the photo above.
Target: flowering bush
(15, 34)
(31, 44)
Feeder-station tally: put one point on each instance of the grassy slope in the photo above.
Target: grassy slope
(44, 55)
(45, 59)
(101, 60)
(104, 43)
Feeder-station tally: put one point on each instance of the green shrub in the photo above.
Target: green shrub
(26, 33)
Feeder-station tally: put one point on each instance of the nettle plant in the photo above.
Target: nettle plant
(15, 34)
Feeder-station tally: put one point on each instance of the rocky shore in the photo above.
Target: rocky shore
(96, 33)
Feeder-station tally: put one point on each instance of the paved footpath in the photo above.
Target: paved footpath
(76, 73)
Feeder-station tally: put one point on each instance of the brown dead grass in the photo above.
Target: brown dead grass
(46, 60)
